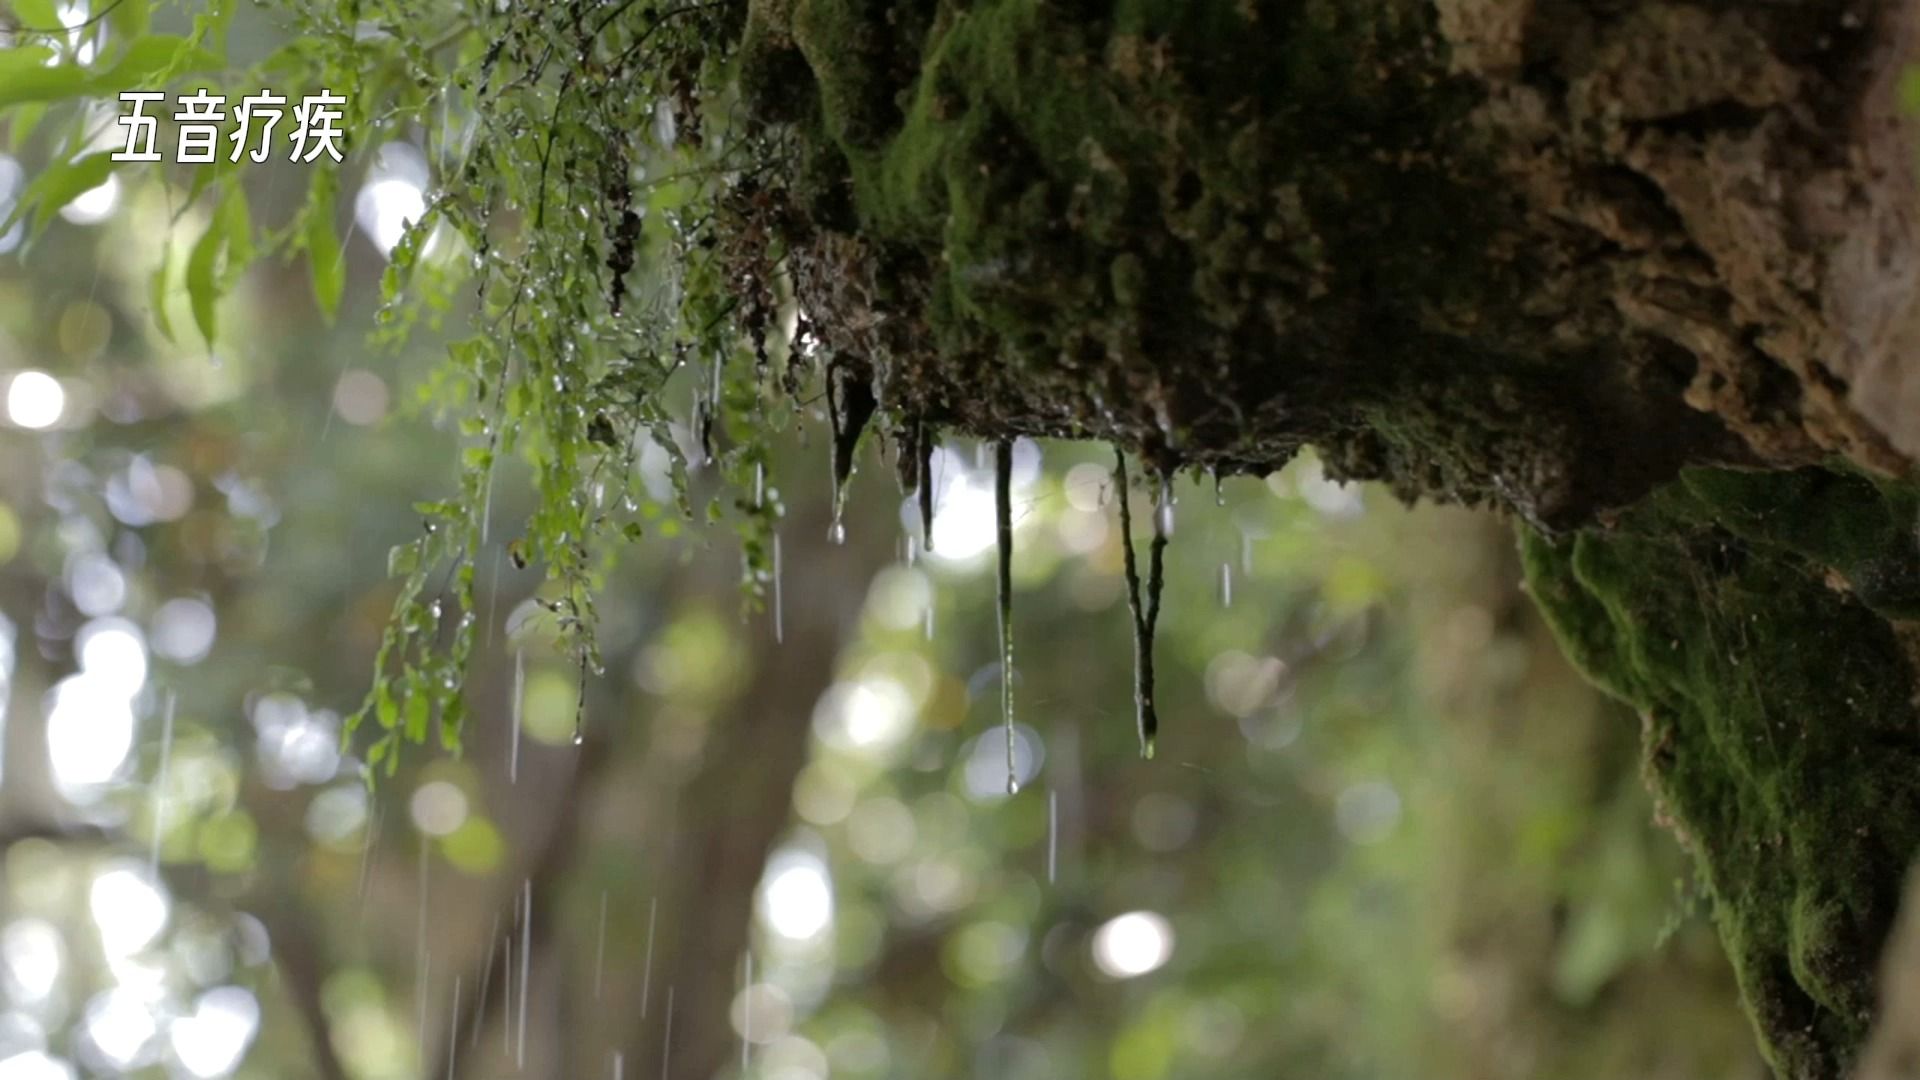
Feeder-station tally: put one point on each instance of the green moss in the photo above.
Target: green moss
(1778, 701)
(1078, 204)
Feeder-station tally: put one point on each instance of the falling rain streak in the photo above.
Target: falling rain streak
(924, 474)
(600, 950)
(1003, 527)
(746, 1016)
(1053, 834)
(486, 980)
(666, 1036)
(526, 967)
(519, 700)
(1144, 620)
(453, 1028)
(779, 619)
(160, 782)
(580, 705)
(646, 976)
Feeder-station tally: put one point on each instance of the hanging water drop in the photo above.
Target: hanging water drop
(850, 404)
(1003, 526)
(580, 705)
(1146, 616)
(1219, 493)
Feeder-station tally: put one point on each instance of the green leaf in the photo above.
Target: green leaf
(418, 709)
(324, 258)
(36, 13)
(203, 291)
(159, 291)
(238, 226)
(25, 76)
(453, 716)
(60, 184)
(21, 123)
(155, 57)
(404, 559)
(129, 18)
(385, 709)
(152, 58)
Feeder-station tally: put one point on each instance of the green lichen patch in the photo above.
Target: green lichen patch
(1747, 616)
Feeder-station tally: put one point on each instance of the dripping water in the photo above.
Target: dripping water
(746, 1017)
(160, 782)
(506, 992)
(366, 853)
(453, 1029)
(1226, 584)
(526, 968)
(600, 951)
(1145, 616)
(646, 977)
(759, 485)
(779, 616)
(1053, 834)
(850, 404)
(580, 705)
(925, 492)
(666, 1035)
(519, 696)
(486, 981)
(424, 969)
(1003, 524)
(619, 1065)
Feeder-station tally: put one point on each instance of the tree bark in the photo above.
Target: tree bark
(1577, 259)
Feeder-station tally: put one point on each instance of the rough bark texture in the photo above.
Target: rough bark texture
(1579, 259)
(1528, 252)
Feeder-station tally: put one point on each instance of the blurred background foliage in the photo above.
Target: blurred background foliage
(1389, 832)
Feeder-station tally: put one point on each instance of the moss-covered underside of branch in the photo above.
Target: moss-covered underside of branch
(1641, 273)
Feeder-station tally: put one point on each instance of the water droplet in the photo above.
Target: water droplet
(779, 620)
(519, 702)
(1003, 523)
(1145, 612)
(1226, 584)
(837, 532)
